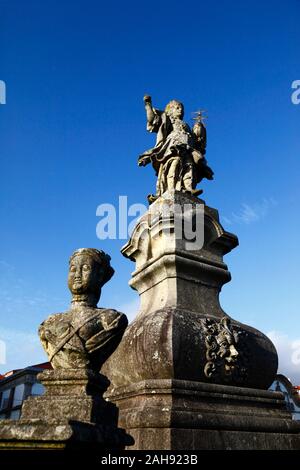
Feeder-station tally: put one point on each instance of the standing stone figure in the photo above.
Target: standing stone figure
(178, 156)
(84, 336)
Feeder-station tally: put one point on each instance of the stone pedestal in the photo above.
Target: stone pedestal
(187, 415)
(71, 415)
(182, 343)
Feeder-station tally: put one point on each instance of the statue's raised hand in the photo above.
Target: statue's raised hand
(147, 99)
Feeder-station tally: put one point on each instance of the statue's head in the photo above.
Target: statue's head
(175, 109)
(89, 270)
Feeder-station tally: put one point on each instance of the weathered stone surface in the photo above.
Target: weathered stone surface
(73, 395)
(72, 413)
(181, 415)
(47, 435)
(179, 290)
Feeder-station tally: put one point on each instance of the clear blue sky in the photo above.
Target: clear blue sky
(74, 125)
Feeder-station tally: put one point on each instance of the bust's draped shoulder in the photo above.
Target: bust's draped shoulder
(109, 324)
(82, 336)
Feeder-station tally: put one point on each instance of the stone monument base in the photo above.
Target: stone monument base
(179, 415)
(72, 415)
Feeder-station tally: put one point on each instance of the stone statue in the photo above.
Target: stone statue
(178, 156)
(84, 336)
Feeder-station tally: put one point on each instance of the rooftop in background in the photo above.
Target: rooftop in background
(43, 365)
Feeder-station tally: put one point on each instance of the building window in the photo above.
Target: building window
(18, 395)
(5, 399)
(15, 414)
(37, 389)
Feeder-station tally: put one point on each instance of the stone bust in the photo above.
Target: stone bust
(85, 335)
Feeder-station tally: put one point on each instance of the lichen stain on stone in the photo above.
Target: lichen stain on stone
(156, 356)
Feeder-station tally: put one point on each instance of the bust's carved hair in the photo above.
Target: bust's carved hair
(101, 258)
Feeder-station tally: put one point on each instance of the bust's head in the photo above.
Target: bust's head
(175, 109)
(89, 270)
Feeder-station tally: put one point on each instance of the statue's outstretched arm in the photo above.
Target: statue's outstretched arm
(154, 121)
(153, 115)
